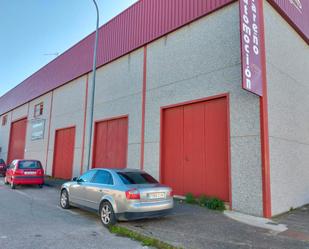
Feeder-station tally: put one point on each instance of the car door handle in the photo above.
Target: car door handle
(104, 190)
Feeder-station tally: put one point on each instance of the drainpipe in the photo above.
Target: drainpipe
(91, 102)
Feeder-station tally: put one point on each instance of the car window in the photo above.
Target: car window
(136, 178)
(87, 176)
(103, 177)
(12, 165)
(2, 161)
(29, 165)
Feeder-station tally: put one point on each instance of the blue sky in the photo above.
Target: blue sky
(32, 30)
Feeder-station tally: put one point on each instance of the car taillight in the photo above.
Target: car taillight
(18, 172)
(170, 193)
(133, 194)
(39, 172)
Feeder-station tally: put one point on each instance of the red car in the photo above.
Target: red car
(24, 172)
(2, 167)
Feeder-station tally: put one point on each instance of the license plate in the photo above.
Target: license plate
(30, 173)
(156, 195)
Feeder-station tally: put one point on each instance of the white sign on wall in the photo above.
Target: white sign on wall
(37, 129)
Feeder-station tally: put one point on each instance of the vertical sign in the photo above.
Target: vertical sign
(250, 17)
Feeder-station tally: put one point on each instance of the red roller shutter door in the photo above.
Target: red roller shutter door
(111, 143)
(64, 153)
(17, 140)
(195, 148)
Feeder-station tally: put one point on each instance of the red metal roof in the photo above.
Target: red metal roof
(138, 25)
(296, 12)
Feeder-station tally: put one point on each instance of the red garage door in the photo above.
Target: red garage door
(64, 153)
(17, 140)
(195, 148)
(111, 143)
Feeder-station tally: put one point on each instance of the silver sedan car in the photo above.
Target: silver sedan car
(118, 194)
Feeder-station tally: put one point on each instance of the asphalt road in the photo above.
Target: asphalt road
(194, 227)
(31, 218)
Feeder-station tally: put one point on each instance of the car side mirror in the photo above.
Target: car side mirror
(79, 180)
(74, 179)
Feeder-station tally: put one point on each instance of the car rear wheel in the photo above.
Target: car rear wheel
(107, 214)
(40, 185)
(64, 199)
(13, 186)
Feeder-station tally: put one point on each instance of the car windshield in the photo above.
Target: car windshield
(2, 161)
(136, 178)
(29, 165)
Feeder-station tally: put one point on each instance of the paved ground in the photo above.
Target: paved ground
(30, 218)
(297, 222)
(52, 182)
(196, 227)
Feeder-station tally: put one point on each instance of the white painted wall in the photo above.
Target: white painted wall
(16, 114)
(5, 136)
(37, 149)
(68, 111)
(119, 92)
(288, 96)
(200, 60)
(20, 112)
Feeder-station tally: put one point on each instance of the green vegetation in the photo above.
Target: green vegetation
(190, 199)
(204, 201)
(215, 204)
(145, 240)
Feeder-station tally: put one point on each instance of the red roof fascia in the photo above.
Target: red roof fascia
(138, 25)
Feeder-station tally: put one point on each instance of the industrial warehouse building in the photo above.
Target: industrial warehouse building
(169, 99)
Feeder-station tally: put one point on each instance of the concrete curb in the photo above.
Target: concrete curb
(256, 221)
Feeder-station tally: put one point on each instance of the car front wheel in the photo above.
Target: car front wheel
(64, 199)
(107, 214)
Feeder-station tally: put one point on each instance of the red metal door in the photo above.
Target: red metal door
(216, 149)
(17, 140)
(172, 150)
(111, 143)
(195, 148)
(64, 153)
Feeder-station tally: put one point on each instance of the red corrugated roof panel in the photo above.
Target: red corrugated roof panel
(296, 12)
(138, 25)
